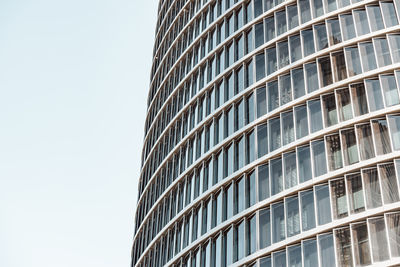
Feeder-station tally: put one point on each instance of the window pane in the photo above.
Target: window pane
(285, 89)
(271, 60)
(374, 95)
(378, 239)
(390, 91)
(318, 8)
(250, 147)
(240, 201)
(280, 22)
(344, 103)
(381, 136)
(269, 28)
(343, 247)
(249, 116)
(292, 216)
(382, 52)
(251, 193)
(394, 123)
(361, 21)
(294, 256)
(326, 250)
(353, 61)
(321, 38)
(310, 254)
(359, 98)
(330, 113)
(375, 17)
(239, 244)
(308, 42)
(261, 102)
(323, 204)
(324, 66)
(239, 115)
(290, 169)
(361, 244)
(367, 56)
(334, 34)
(304, 163)
(339, 201)
(274, 134)
(347, 25)
(350, 148)
(251, 235)
(227, 252)
(273, 95)
(390, 190)
(394, 41)
(334, 152)
(366, 145)
(283, 54)
(305, 14)
(311, 77)
(279, 258)
(293, 18)
(301, 122)
(372, 188)
(228, 202)
(262, 141)
(298, 83)
(276, 176)
(263, 182)
(278, 222)
(393, 223)
(259, 34)
(265, 228)
(339, 66)
(307, 210)
(389, 14)
(260, 66)
(314, 109)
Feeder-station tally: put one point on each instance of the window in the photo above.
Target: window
(260, 66)
(361, 244)
(389, 184)
(308, 42)
(227, 251)
(290, 170)
(274, 134)
(318, 8)
(339, 201)
(374, 94)
(280, 22)
(239, 115)
(239, 84)
(276, 176)
(272, 65)
(339, 66)
(250, 147)
(343, 246)
(393, 225)
(394, 41)
(314, 111)
(307, 210)
(323, 204)
(330, 113)
(294, 256)
(279, 258)
(263, 182)
(350, 148)
(366, 145)
(239, 154)
(251, 237)
(367, 56)
(379, 241)
(298, 83)
(269, 28)
(347, 25)
(390, 91)
(283, 54)
(251, 193)
(389, 14)
(265, 228)
(353, 61)
(262, 141)
(239, 241)
(361, 21)
(259, 34)
(381, 136)
(292, 216)
(382, 51)
(301, 122)
(372, 188)
(304, 163)
(239, 199)
(326, 250)
(293, 18)
(278, 222)
(273, 95)
(261, 102)
(375, 18)
(394, 123)
(285, 89)
(249, 114)
(359, 99)
(334, 34)
(325, 70)
(310, 254)
(304, 7)
(334, 152)
(344, 104)
(321, 38)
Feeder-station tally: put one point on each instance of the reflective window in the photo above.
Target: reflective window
(304, 163)
(280, 22)
(239, 154)
(307, 210)
(375, 17)
(259, 34)
(290, 169)
(366, 145)
(283, 54)
(326, 250)
(353, 61)
(279, 258)
(273, 95)
(339, 66)
(304, 7)
(310, 254)
(285, 89)
(350, 148)
(394, 123)
(239, 199)
(374, 94)
(251, 190)
(394, 41)
(298, 83)
(323, 204)
(276, 176)
(274, 134)
(381, 136)
(272, 65)
(292, 216)
(393, 225)
(361, 21)
(334, 152)
(294, 256)
(389, 14)
(293, 18)
(269, 28)
(390, 91)
(367, 56)
(321, 38)
(239, 241)
(339, 198)
(261, 102)
(251, 237)
(249, 113)
(301, 122)
(361, 247)
(308, 42)
(390, 192)
(315, 113)
(265, 228)
(278, 222)
(263, 182)
(343, 246)
(382, 52)
(260, 66)
(318, 8)
(347, 25)
(250, 147)
(334, 34)
(359, 99)
(311, 77)
(330, 113)
(325, 70)
(262, 141)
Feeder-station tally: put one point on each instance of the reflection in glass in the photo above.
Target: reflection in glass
(323, 204)
(298, 83)
(372, 188)
(389, 184)
(321, 38)
(285, 89)
(310, 254)
(308, 42)
(287, 128)
(276, 176)
(382, 52)
(350, 148)
(273, 95)
(343, 247)
(334, 34)
(324, 66)
(334, 152)
(265, 228)
(326, 250)
(347, 25)
(278, 222)
(307, 210)
(390, 91)
(339, 66)
(375, 18)
(379, 241)
(394, 41)
(311, 77)
(366, 145)
(393, 224)
(283, 54)
(339, 201)
(353, 61)
(295, 48)
(381, 136)
(361, 21)
(374, 95)
(361, 248)
(292, 216)
(263, 182)
(274, 134)
(330, 113)
(262, 141)
(290, 169)
(394, 124)
(314, 111)
(304, 163)
(294, 256)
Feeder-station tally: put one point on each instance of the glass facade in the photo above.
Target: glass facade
(272, 135)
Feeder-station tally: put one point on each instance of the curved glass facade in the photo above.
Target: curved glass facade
(272, 135)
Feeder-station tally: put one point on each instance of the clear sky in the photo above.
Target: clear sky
(74, 78)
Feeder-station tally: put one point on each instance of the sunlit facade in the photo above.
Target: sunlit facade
(272, 135)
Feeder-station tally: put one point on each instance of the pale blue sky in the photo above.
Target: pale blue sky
(74, 77)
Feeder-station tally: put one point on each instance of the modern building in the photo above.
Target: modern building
(272, 135)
